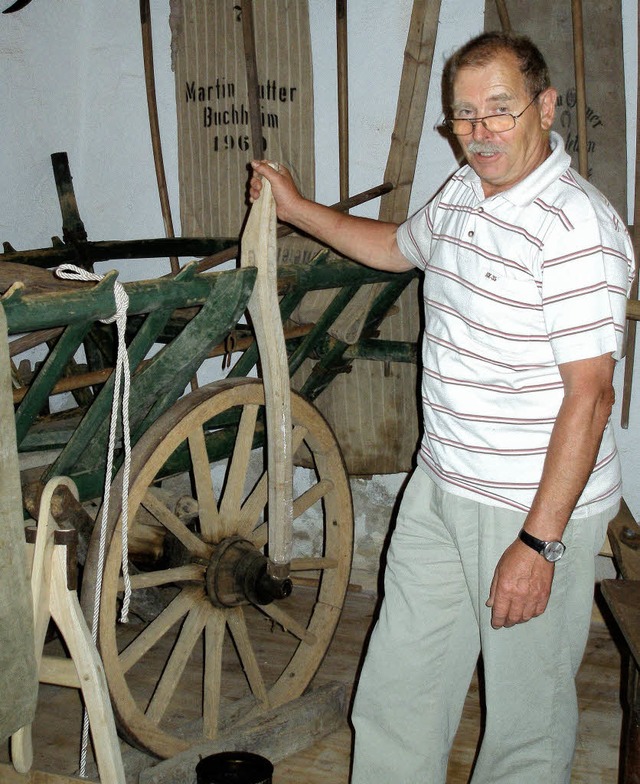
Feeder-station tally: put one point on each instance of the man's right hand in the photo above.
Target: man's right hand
(284, 190)
(368, 241)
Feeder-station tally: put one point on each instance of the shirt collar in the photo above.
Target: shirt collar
(527, 190)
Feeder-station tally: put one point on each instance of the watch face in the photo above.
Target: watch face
(553, 551)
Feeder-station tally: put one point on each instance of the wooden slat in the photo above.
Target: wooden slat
(9, 776)
(412, 101)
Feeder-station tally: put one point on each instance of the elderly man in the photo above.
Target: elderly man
(526, 272)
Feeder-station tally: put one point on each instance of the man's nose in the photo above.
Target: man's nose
(480, 133)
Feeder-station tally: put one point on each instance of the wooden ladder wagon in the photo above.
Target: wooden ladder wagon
(208, 597)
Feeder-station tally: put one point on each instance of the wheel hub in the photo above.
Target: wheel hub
(238, 574)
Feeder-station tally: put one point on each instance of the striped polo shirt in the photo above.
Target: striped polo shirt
(514, 285)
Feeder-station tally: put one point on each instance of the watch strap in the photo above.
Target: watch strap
(531, 541)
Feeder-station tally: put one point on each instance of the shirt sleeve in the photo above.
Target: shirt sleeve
(587, 270)
(414, 237)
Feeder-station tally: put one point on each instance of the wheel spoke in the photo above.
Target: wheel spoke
(288, 623)
(207, 505)
(298, 435)
(312, 564)
(193, 543)
(238, 628)
(259, 536)
(213, 640)
(253, 506)
(170, 679)
(237, 473)
(188, 573)
(257, 499)
(172, 613)
(311, 496)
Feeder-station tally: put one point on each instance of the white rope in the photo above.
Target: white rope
(122, 379)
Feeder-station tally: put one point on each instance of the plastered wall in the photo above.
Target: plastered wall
(72, 79)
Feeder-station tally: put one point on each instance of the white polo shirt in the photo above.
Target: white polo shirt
(515, 284)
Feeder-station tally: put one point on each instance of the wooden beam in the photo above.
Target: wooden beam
(8, 775)
(343, 96)
(275, 735)
(412, 101)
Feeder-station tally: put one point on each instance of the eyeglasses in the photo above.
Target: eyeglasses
(494, 123)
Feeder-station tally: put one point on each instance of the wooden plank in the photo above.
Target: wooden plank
(412, 101)
(630, 337)
(275, 735)
(343, 95)
(624, 537)
(10, 776)
(623, 599)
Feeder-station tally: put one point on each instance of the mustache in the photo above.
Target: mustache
(476, 147)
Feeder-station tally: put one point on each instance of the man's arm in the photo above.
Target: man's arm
(522, 580)
(370, 242)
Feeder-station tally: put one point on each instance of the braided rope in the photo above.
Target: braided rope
(122, 380)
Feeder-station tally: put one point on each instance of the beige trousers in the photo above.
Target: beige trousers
(432, 627)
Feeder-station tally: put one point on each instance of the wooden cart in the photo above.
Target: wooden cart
(230, 559)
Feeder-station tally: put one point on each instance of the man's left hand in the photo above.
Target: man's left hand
(520, 587)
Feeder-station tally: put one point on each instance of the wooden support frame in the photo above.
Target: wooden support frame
(54, 597)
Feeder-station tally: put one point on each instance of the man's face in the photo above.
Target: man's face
(502, 159)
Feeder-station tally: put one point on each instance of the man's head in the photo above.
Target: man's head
(500, 74)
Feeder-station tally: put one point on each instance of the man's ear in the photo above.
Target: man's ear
(547, 107)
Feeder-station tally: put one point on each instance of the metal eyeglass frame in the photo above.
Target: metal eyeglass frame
(449, 121)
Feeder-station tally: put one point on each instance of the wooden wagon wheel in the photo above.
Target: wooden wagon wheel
(214, 625)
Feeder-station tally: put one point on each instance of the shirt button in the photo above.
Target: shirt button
(480, 209)
(470, 234)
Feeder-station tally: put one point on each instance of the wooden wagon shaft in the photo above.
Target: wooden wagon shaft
(259, 250)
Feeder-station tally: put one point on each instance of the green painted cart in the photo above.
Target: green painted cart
(208, 597)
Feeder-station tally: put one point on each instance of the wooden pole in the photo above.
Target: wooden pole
(249, 39)
(154, 125)
(412, 101)
(505, 22)
(630, 341)
(343, 96)
(581, 102)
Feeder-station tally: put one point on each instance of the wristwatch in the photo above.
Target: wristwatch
(550, 551)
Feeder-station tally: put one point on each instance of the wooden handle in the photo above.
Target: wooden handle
(581, 101)
(343, 96)
(154, 125)
(249, 39)
(505, 22)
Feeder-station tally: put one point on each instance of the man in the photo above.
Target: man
(527, 269)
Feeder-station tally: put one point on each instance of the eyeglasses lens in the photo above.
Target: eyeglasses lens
(495, 123)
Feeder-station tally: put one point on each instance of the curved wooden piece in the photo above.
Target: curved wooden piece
(52, 598)
(259, 249)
